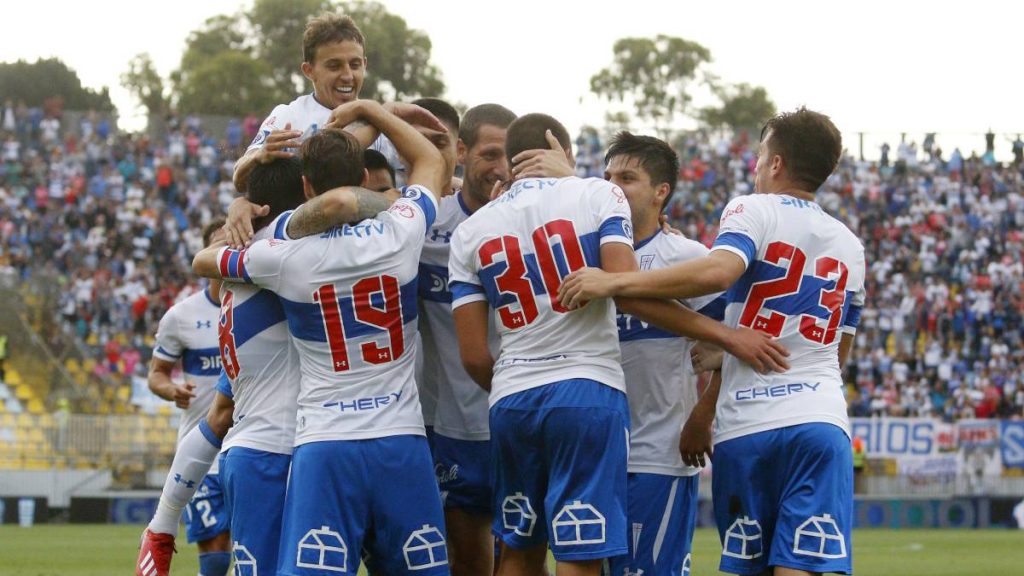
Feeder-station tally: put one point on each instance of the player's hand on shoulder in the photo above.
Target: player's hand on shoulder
(238, 223)
(278, 144)
(759, 350)
(416, 115)
(543, 163)
(667, 228)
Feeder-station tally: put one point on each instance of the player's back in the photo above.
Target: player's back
(515, 252)
(261, 367)
(349, 296)
(804, 282)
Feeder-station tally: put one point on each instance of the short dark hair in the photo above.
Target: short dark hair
(332, 158)
(527, 133)
(277, 184)
(327, 29)
(808, 142)
(483, 115)
(655, 156)
(444, 111)
(374, 160)
(211, 227)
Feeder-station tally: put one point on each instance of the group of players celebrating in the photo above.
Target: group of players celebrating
(463, 375)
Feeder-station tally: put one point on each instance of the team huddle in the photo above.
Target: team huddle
(440, 375)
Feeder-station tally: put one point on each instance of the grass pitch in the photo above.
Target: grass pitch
(107, 550)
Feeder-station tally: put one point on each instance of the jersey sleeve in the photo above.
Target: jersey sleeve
(463, 280)
(683, 250)
(276, 121)
(414, 213)
(613, 213)
(224, 385)
(855, 303)
(259, 264)
(280, 225)
(742, 228)
(169, 344)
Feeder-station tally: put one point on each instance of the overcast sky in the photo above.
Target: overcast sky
(882, 67)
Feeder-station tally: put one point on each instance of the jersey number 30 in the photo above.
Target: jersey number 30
(514, 280)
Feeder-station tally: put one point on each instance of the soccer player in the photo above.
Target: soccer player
(462, 457)
(558, 415)
(261, 366)
(660, 387)
(188, 334)
(334, 61)
(361, 470)
(783, 481)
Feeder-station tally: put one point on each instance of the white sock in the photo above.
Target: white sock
(192, 461)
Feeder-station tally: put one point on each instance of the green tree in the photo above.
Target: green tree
(742, 107)
(265, 43)
(145, 83)
(654, 75)
(46, 78)
(232, 83)
(398, 58)
(279, 25)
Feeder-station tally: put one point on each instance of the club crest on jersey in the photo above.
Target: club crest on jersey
(260, 138)
(411, 192)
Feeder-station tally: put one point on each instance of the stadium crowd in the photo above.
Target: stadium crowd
(116, 218)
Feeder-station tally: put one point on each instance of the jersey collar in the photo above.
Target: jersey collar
(646, 241)
(462, 203)
(206, 292)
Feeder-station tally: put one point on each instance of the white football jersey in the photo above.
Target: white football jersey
(514, 252)
(660, 383)
(349, 296)
(804, 286)
(461, 407)
(305, 113)
(261, 367)
(188, 332)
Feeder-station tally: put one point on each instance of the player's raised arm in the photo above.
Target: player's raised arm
(426, 164)
(345, 205)
(752, 347)
(712, 273)
(270, 144)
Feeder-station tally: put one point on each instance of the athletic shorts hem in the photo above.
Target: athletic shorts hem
(593, 555)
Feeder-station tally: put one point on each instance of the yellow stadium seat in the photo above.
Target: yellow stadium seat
(35, 406)
(72, 365)
(26, 420)
(93, 339)
(13, 377)
(23, 392)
